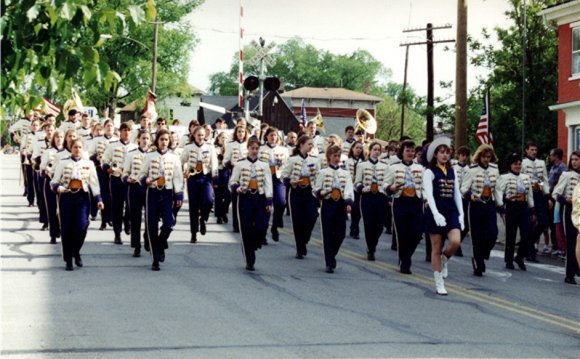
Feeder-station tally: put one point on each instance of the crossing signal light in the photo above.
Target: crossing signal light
(272, 83)
(251, 83)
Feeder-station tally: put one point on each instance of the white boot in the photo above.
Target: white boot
(439, 283)
(444, 261)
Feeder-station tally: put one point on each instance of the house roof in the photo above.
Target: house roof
(330, 94)
(565, 13)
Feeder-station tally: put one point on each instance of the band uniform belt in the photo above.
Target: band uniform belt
(409, 192)
(374, 188)
(520, 197)
(536, 187)
(160, 182)
(75, 185)
(335, 194)
(304, 181)
(199, 167)
(273, 170)
(253, 184)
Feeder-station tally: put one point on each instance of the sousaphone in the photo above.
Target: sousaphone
(365, 121)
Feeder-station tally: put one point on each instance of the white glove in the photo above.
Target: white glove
(461, 222)
(439, 220)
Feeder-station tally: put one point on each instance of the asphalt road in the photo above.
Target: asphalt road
(203, 304)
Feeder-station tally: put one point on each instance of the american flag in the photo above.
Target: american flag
(302, 113)
(48, 107)
(483, 133)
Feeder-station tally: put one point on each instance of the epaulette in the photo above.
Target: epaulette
(116, 141)
(396, 162)
(66, 158)
(133, 150)
(494, 165)
(474, 165)
(241, 159)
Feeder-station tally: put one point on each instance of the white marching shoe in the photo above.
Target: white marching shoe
(444, 261)
(439, 283)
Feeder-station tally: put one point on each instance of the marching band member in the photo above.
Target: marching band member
(479, 187)
(445, 211)
(17, 132)
(99, 145)
(275, 156)
(355, 157)
(461, 168)
(200, 164)
(334, 188)
(39, 146)
(299, 174)
(72, 122)
(72, 179)
(26, 150)
(161, 173)
(47, 170)
(333, 140)
(112, 163)
(369, 183)
(144, 124)
(576, 219)
(252, 180)
(235, 150)
(563, 192)
(175, 149)
(405, 184)
(317, 139)
(223, 197)
(291, 140)
(84, 130)
(136, 193)
(536, 169)
(90, 144)
(348, 140)
(516, 203)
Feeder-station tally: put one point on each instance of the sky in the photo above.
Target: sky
(342, 27)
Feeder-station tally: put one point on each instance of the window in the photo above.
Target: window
(576, 51)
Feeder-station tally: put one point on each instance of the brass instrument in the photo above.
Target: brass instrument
(319, 121)
(365, 121)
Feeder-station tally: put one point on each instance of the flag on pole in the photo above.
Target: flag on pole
(483, 133)
(302, 113)
(150, 106)
(48, 108)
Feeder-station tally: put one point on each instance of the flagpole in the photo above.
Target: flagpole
(524, 40)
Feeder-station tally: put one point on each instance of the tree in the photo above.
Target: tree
(47, 46)
(388, 118)
(505, 80)
(299, 64)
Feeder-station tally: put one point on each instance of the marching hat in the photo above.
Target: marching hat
(446, 141)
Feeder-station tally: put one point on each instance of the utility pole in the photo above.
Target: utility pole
(154, 66)
(461, 75)
(404, 93)
(429, 42)
(524, 47)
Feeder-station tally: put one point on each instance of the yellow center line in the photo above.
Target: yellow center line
(484, 298)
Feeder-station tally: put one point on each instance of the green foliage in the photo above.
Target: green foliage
(47, 46)
(505, 81)
(389, 121)
(298, 64)
(102, 48)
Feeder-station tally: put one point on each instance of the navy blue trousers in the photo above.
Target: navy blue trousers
(29, 183)
(373, 207)
(303, 212)
(409, 226)
(541, 209)
(333, 221)
(279, 197)
(104, 184)
(223, 197)
(51, 209)
(40, 203)
(118, 200)
(571, 232)
(355, 215)
(137, 195)
(517, 216)
(159, 206)
(200, 192)
(483, 231)
(74, 222)
(253, 223)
